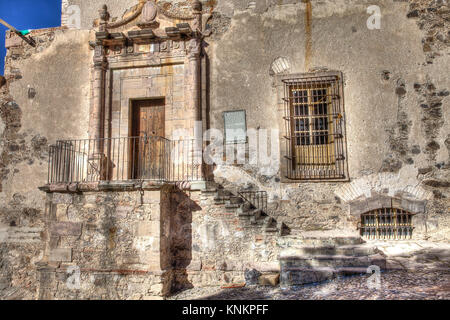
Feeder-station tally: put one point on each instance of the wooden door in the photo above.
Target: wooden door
(149, 145)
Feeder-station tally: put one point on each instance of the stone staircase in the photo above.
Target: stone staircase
(249, 215)
(304, 257)
(310, 259)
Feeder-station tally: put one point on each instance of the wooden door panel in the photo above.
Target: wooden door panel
(148, 124)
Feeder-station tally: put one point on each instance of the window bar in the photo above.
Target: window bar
(50, 155)
(63, 163)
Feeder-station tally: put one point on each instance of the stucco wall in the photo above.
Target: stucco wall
(46, 98)
(242, 58)
(394, 91)
(51, 92)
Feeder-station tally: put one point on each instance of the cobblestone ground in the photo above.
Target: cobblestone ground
(395, 285)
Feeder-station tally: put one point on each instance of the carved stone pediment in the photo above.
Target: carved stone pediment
(151, 22)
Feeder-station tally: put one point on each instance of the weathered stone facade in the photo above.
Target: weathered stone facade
(146, 242)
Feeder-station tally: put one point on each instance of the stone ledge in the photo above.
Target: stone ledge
(45, 268)
(100, 187)
(117, 186)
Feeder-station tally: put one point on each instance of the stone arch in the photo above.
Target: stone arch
(378, 201)
(391, 184)
(381, 206)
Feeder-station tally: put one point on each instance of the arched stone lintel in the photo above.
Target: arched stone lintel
(378, 201)
(394, 185)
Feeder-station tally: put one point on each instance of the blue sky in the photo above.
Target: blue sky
(27, 14)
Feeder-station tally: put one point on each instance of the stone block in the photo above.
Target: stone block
(129, 258)
(195, 265)
(270, 266)
(269, 280)
(413, 206)
(61, 255)
(91, 198)
(156, 289)
(13, 41)
(61, 211)
(73, 187)
(123, 211)
(152, 197)
(358, 207)
(432, 225)
(378, 202)
(148, 228)
(62, 198)
(251, 276)
(65, 228)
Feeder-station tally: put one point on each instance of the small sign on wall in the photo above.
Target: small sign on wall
(235, 126)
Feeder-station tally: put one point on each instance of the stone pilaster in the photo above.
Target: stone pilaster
(195, 76)
(97, 109)
(193, 96)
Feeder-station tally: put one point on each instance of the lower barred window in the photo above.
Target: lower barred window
(387, 224)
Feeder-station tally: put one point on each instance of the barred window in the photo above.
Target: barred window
(315, 129)
(387, 224)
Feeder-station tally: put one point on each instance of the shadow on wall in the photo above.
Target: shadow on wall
(179, 209)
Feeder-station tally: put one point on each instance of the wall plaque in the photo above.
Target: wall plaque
(235, 126)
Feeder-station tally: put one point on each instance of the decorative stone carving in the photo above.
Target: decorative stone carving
(165, 46)
(98, 52)
(175, 11)
(129, 18)
(104, 14)
(197, 6)
(194, 48)
(148, 15)
(149, 12)
(104, 17)
(197, 14)
(177, 44)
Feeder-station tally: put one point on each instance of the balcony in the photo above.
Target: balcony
(118, 161)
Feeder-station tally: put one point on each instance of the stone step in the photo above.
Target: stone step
(289, 260)
(208, 191)
(233, 206)
(301, 276)
(236, 200)
(224, 193)
(221, 200)
(242, 213)
(293, 241)
(347, 250)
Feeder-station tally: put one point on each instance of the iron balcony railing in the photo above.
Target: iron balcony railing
(144, 158)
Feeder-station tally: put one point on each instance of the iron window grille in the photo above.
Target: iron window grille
(387, 224)
(315, 130)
